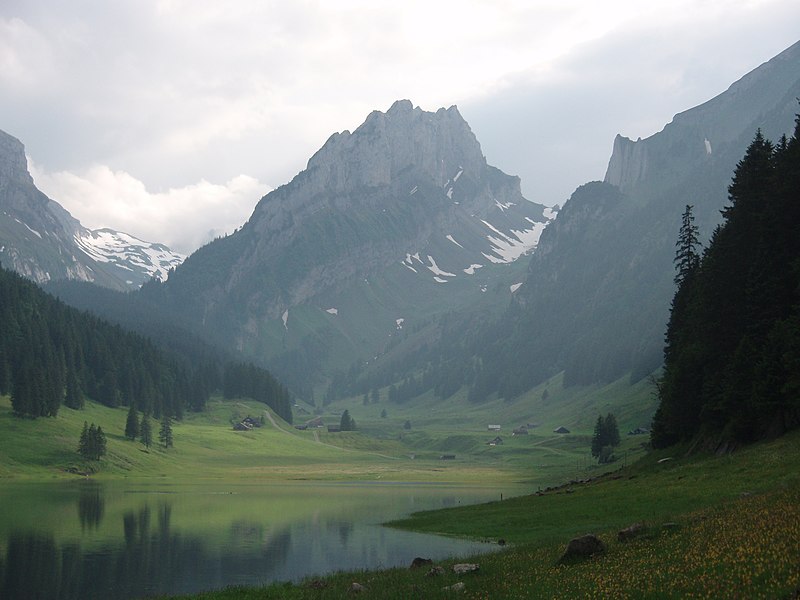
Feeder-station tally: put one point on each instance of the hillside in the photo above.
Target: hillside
(387, 229)
(596, 299)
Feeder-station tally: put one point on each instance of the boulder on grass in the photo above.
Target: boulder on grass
(581, 548)
(462, 568)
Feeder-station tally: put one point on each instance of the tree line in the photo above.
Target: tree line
(246, 380)
(52, 354)
(732, 354)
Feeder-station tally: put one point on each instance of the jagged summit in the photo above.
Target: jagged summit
(387, 143)
(403, 211)
(43, 241)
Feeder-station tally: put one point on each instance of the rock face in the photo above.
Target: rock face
(387, 226)
(599, 286)
(42, 241)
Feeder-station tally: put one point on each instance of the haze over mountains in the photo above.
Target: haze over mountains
(41, 240)
(400, 255)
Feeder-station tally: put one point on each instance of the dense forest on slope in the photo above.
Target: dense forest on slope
(51, 354)
(732, 355)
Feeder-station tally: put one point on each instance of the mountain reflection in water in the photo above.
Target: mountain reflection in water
(119, 544)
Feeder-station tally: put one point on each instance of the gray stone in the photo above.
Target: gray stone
(435, 572)
(462, 568)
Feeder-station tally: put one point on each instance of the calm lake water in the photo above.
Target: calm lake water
(88, 540)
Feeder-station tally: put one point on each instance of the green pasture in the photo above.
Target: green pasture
(715, 527)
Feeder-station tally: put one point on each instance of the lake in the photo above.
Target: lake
(121, 540)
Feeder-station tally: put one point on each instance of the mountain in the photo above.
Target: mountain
(597, 294)
(387, 229)
(42, 241)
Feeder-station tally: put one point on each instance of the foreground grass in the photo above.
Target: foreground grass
(717, 527)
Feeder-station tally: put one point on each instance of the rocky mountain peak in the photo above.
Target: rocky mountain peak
(388, 143)
(13, 164)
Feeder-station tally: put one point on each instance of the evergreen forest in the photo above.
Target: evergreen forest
(732, 355)
(52, 354)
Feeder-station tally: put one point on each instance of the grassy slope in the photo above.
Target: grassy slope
(206, 447)
(733, 530)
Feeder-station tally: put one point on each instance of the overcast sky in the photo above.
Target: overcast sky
(169, 119)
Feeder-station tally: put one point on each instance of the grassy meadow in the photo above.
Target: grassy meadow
(207, 448)
(716, 527)
(722, 526)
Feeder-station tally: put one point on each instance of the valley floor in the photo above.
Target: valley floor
(715, 527)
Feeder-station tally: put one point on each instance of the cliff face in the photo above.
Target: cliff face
(599, 286)
(42, 241)
(402, 212)
(713, 131)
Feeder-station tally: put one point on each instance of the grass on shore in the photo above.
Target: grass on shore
(716, 527)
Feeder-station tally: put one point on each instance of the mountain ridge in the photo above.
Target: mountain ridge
(41, 240)
(404, 209)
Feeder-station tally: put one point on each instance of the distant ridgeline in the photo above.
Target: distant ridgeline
(52, 354)
(732, 356)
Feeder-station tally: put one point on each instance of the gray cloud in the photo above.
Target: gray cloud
(181, 95)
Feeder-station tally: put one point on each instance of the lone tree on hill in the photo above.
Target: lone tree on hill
(605, 438)
(347, 423)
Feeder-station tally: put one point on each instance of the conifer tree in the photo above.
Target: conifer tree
(597, 437)
(165, 432)
(73, 397)
(83, 444)
(100, 443)
(346, 423)
(132, 424)
(687, 257)
(146, 431)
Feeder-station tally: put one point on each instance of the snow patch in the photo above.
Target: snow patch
(470, 270)
(550, 212)
(285, 318)
(503, 205)
(460, 171)
(434, 268)
(508, 248)
(413, 191)
(450, 193)
(514, 287)
(408, 262)
(439, 280)
(29, 228)
(450, 237)
(331, 311)
(708, 146)
(128, 252)
(483, 288)
(399, 322)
